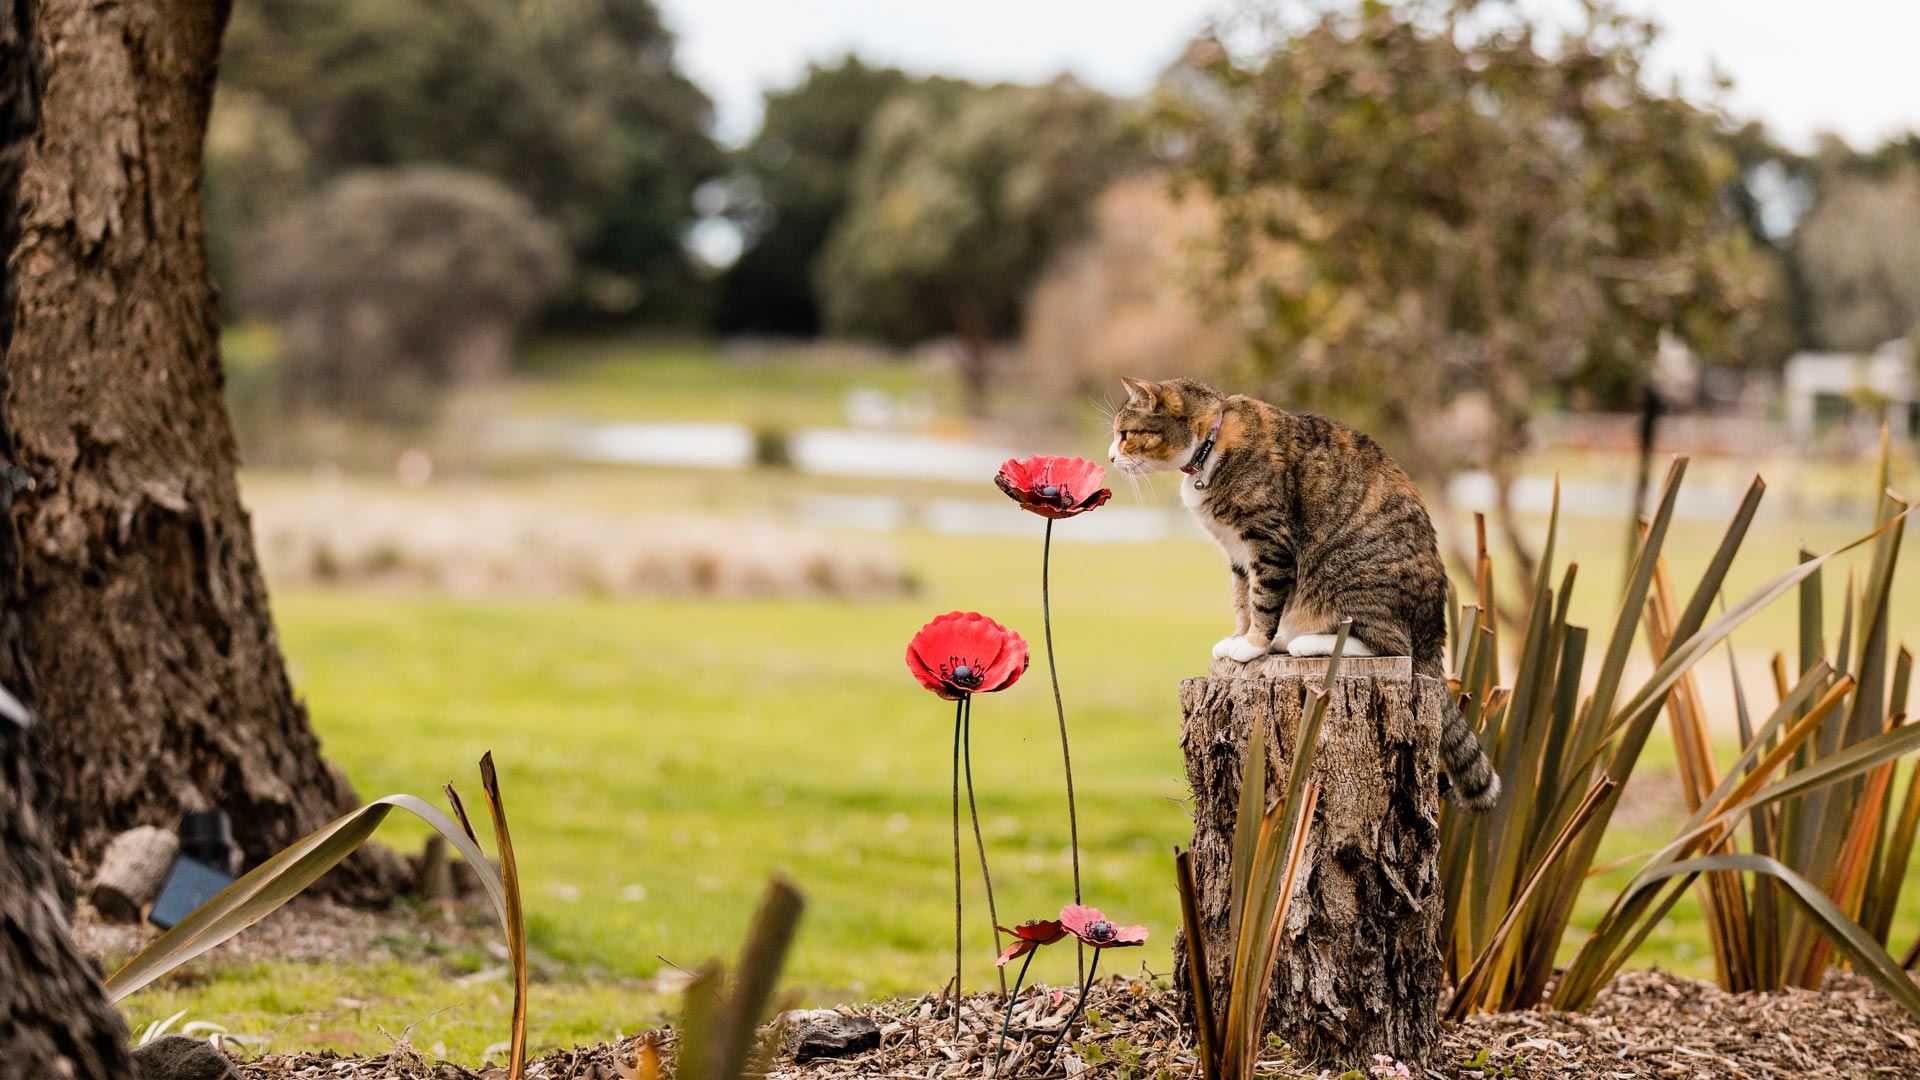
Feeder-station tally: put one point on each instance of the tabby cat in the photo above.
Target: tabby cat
(1318, 524)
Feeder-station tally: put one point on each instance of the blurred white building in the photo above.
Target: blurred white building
(1849, 394)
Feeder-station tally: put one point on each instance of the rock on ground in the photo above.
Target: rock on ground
(824, 1033)
(182, 1057)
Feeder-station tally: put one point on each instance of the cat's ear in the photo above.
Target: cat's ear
(1141, 392)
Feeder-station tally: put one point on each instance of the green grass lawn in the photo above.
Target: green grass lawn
(787, 386)
(661, 758)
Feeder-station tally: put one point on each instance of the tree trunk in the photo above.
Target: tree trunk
(976, 356)
(54, 1015)
(54, 1019)
(976, 374)
(161, 684)
(1359, 969)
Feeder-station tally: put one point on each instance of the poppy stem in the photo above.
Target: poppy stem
(959, 711)
(993, 914)
(1066, 1033)
(1011, 998)
(1066, 752)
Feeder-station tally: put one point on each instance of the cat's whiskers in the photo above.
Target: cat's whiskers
(1107, 409)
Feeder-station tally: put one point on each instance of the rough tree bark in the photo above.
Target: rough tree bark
(1359, 969)
(161, 684)
(54, 1019)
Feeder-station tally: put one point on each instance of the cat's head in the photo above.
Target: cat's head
(1155, 430)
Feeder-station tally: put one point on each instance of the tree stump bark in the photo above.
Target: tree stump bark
(1359, 970)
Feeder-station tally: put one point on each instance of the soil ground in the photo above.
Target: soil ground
(1648, 1024)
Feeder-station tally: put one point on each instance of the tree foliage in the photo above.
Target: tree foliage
(957, 203)
(792, 184)
(1434, 200)
(1856, 252)
(578, 106)
(390, 280)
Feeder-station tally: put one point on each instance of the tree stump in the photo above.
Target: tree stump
(1359, 970)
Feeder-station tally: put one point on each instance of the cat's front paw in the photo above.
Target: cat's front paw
(1223, 647)
(1242, 648)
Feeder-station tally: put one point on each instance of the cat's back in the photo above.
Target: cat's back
(1325, 457)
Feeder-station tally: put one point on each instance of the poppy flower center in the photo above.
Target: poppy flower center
(963, 674)
(1101, 930)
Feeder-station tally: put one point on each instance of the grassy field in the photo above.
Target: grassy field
(693, 381)
(661, 758)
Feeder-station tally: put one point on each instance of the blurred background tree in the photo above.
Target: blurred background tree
(1428, 203)
(957, 202)
(1857, 251)
(985, 204)
(792, 184)
(390, 282)
(1116, 303)
(579, 107)
(257, 169)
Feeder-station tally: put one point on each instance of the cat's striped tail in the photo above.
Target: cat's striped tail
(1476, 786)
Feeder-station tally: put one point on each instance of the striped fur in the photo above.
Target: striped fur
(1318, 524)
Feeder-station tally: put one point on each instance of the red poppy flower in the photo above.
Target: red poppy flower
(964, 652)
(1090, 926)
(1029, 936)
(1054, 487)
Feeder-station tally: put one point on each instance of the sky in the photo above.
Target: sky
(1802, 66)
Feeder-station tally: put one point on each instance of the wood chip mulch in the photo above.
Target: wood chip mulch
(1647, 1024)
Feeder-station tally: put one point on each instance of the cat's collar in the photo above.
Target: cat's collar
(1198, 462)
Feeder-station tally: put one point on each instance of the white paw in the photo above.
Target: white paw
(1243, 650)
(1312, 645)
(1222, 647)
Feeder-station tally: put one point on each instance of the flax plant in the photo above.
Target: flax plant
(1513, 875)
